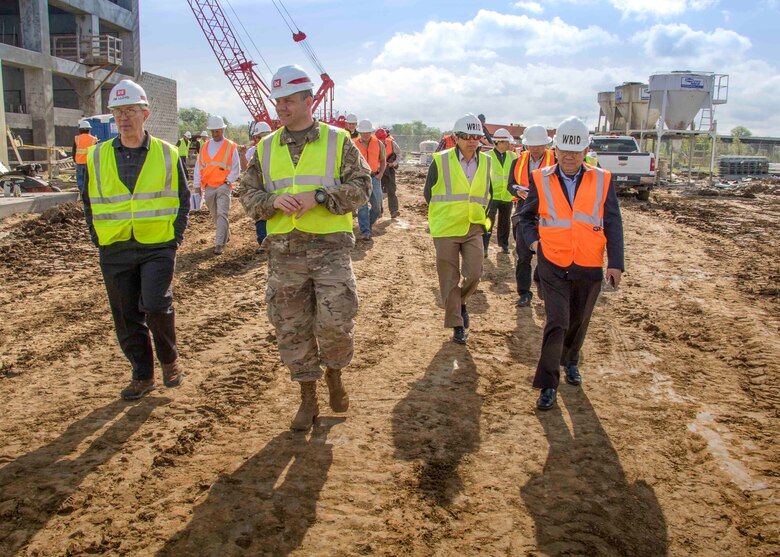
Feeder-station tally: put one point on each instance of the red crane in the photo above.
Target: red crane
(240, 69)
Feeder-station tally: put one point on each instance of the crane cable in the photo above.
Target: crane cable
(270, 71)
(290, 22)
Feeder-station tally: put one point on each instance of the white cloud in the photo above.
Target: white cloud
(485, 34)
(533, 7)
(678, 43)
(641, 9)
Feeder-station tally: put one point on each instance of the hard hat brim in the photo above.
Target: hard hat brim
(291, 90)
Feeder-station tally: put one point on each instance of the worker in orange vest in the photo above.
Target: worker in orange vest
(447, 142)
(218, 166)
(537, 155)
(570, 218)
(373, 152)
(393, 156)
(81, 143)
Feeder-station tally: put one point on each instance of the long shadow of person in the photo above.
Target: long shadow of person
(438, 422)
(582, 502)
(267, 505)
(526, 340)
(39, 484)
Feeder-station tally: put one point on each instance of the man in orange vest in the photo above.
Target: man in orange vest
(447, 142)
(218, 166)
(570, 218)
(536, 155)
(392, 155)
(83, 141)
(373, 152)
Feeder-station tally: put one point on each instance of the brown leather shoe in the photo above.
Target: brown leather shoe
(137, 388)
(309, 409)
(172, 374)
(339, 399)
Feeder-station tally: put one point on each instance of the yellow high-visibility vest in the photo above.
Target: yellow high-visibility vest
(318, 167)
(184, 147)
(455, 203)
(500, 176)
(147, 214)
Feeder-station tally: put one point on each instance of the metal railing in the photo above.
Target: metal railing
(92, 50)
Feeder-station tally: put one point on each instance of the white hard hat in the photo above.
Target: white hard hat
(85, 125)
(288, 80)
(536, 135)
(188, 135)
(204, 133)
(468, 124)
(127, 92)
(503, 134)
(365, 126)
(572, 135)
(260, 127)
(215, 123)
(352, 119)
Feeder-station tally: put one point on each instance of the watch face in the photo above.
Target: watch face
(319, 197)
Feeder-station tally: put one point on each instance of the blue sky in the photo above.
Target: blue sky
(532, 61)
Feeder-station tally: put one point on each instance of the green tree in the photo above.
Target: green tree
(192, 120)
(409, 135)
(741, 131)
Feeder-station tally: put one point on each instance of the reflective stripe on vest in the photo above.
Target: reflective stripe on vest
(184, 147)
(521, 169)
(500, 177)
(455, 204)
(371, 155)
(146, 215)
(572, 233)
(83, 142)
(214, 171)
(319, 166)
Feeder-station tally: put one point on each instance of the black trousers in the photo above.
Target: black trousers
(568, 305)
(139, 283)
(502, 227)
(523, 265)
(184, 165)
(389, 187)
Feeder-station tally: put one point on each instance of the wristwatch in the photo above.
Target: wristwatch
(320, 196)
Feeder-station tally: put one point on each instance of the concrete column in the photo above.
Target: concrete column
(34, 15)
(3, 140)
(39, 98)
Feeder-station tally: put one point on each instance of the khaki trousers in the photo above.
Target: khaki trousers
(455, 257)
(218, 202)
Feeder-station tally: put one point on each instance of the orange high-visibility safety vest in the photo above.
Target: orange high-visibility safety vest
(572, 233)
(83, 142)
(214, 171)
(388, 146)
(521, 168)
(372, 154)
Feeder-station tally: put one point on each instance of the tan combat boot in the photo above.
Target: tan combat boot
(339, 399)
(309, 409)
(137, 388)
(172, 374)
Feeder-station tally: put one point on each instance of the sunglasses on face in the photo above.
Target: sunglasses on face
(471, 137)
(125, 112)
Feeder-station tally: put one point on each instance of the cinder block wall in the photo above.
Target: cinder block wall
(163, 121)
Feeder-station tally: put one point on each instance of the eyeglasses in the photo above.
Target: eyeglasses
(125, 112)
(468, 137)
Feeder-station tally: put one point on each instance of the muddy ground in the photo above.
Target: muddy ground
(669, 448)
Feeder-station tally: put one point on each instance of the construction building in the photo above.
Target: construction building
(60, 59)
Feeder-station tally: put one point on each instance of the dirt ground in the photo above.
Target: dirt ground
(669, 448)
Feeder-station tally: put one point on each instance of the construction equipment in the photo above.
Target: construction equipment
(240, 70)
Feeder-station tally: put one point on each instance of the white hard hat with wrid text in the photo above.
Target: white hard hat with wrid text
(572, 135)
(468, 124)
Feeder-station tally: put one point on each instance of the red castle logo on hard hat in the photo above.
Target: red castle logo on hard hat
(277, 82)
(121, 93)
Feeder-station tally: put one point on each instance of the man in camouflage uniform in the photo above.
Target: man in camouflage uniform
(306, 179)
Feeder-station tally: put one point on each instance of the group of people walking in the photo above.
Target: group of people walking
(303, 182)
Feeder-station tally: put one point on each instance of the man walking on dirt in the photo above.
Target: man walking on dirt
(570, 216)
(457, 191)
(136, 207)
(306, 179)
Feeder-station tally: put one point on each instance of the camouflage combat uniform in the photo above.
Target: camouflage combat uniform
(311, 294)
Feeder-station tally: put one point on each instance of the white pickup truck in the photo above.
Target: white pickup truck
(630, 168)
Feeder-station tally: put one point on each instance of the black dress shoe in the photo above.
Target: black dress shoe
(464, 313)
(505, 249)
(459, 335)
(546, 399)
(525, 299)
(573, 376)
